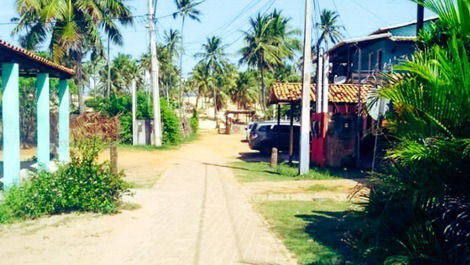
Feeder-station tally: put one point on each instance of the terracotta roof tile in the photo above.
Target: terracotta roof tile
(343, 93)
(36, 58)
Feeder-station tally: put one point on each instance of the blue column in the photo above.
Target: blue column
(11, 125)
(64, 119)
(43, 121)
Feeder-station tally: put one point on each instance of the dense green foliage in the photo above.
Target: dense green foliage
(121, 105)
(267, 44)
(82, 185)
(419, 206)
(171, 125)
(194, 122)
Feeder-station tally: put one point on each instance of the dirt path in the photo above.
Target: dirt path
(195, 214)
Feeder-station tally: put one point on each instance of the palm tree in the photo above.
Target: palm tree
(124, 70)
(330, 30)
(73, 28)
(268, 43)
(213, 57)
(186, 8)
(244, 94)
(172, 38)
(200, 80)
(169, 73)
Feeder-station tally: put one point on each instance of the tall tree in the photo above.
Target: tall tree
(124, 70)
(267, 44)
(186, 8)
(244, 93)
(73, 28)
(214, 59)
(172, 39)
(329, 28)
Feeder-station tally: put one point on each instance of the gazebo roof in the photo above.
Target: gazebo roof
(31, 64)
(342, 93)
(247, 112)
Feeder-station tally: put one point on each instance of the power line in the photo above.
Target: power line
(341, 19)
(370, 12)
(242, 12)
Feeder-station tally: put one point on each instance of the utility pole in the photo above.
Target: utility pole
(419, 18)
(134, 112)
(157, 123)
(305, 119)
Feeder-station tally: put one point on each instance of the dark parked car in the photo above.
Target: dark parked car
(266, 135)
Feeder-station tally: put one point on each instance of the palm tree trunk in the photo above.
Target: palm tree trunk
(263, 89)
(181, 66)
(81, 99)
(215, 109)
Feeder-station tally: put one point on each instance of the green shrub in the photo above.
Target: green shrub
(171, 124)
(121, 105)
(82, 185)
(194, 122)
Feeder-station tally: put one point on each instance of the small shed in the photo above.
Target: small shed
(16, 62)
(236, 113)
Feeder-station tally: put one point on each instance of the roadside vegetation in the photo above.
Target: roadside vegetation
(83, 185)
(262, 171)
(314, 227)
(418, 210)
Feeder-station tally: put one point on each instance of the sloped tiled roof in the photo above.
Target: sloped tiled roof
(341, 93)
(30, 56)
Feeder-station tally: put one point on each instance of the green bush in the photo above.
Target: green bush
(82, 185)
(171, 124)
(121, 105)
(194, 122)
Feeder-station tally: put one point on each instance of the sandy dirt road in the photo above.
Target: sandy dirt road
(195, 214)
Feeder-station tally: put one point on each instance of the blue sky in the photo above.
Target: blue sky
(228, 18)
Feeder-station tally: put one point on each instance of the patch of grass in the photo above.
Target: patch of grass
(130, 206)
(261, 171)
(313, 231)
(320, 188)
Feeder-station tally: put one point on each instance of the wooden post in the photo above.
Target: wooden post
(278, 114)
(11, 125)
(113, 157)
(291, 133)
(419, 18)
(359, 111)
(43, 121)
(64, 121)
(274, 157)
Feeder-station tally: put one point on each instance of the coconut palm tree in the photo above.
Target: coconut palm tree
(72, 28)
(186, 8)
(329, 28)
(200, 80)
(267, 44)
(124, 70)
(245, 94)
(214, 59)
(172, 39)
